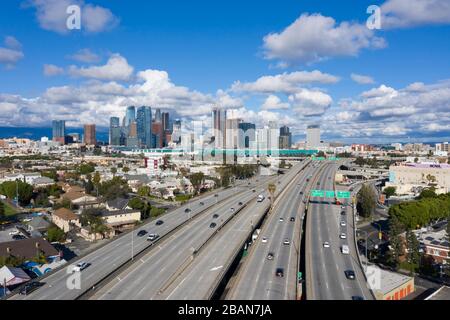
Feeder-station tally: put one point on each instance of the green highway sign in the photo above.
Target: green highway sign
(343, 194)
(329, 194)
(318, 158)
(299, 275)
(317, 193)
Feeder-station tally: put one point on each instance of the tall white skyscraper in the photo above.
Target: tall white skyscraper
(313, 136)
(219, 118)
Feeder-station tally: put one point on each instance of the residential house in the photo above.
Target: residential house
(28, 249)
(120, 220)
(43, 182)
(65, 219)
(38, 224)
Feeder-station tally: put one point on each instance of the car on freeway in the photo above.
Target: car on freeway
(286, 242)
(80, 266)
(215, 216)
(152, 237)
(30, 287)
(159, 222)
(357, 298)
(345, 249)
(343, 213)
(212, 225)
(301, 192)
(343, 236)
(18, 237)
(318, 183)
(343, 223)
(326, 244)
(281, 219)
(292, 219)
(253, 190)
(201, 203)
(232, 209)
(240, 203)
(343, 207)
(187, 210)
(270, 256)
(14, 232)
(141, 233)
(264, 240)
(350, 274)
(279, 272)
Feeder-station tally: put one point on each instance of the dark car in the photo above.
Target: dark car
(270, 256)
(343, 213)
(301, 192)
(215, 216)
(279, 272)
(201, 203)
(30, 287)
(213, 225)
(141, 233)
(292, 219)
(187, 210)
(318, 183)
(253, 190)
(159, 222)
(18, 237)
(350, 274)
(240, 203)
(357, 298)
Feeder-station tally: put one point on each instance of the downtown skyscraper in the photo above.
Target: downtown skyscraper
(144, 126)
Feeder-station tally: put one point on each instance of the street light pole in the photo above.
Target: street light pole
(367, 257)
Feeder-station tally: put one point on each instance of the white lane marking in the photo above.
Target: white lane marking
(216, 268)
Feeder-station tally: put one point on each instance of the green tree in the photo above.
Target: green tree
(390, 191)
(395, 242)
(366, 201)
(50, 174)
(413, 255)
(428, 193)
(144, 191)
(86, 168)
(2, 212)
(197, 179)
(143, 206)
(114, 171)
(55, 234)
(125, 169)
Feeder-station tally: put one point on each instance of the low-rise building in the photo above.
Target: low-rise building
(394, 286)
(28, 249)
(65, 219)
(436, 245)
(120, 220)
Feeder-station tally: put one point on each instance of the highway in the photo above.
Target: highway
(202, 277)
(256, 278)
(159, 268)
(325, 267)
(111, 256)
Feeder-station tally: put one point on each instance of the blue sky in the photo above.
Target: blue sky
(196, 50)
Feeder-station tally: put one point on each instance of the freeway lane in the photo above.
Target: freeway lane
(158, 268)
(327, 265)
(109, 257)
(256, 280)
(202, 277)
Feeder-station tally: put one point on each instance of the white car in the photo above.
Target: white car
(80, 266)
(152, 236)
(264, 240)
(286, 241)
(343, 236)
(14, 232)
(343, 223)
(326, 244)
(281, 219)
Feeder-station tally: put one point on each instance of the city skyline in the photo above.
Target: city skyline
(370, 89)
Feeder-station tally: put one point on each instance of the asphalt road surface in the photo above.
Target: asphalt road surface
(327, 265)
(147, 278)
(256, 279)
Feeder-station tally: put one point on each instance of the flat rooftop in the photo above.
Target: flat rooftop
(391, 280)
(443, 293)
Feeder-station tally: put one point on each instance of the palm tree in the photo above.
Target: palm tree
(271, 188)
